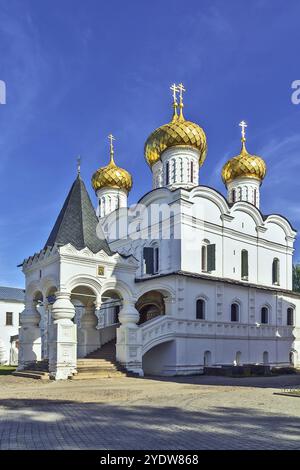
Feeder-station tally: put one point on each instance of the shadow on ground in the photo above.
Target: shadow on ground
(277, 381)
(50, 424)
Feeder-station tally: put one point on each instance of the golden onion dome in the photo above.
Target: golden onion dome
(178, 132)
(244, 165)
(111, 175)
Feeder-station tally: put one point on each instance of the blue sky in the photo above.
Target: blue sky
(77, 70)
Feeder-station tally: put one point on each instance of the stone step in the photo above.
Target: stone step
(32, 374)
(94, 363)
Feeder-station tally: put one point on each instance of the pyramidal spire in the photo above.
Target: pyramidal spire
(77, 222)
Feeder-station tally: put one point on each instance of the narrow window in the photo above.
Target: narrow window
(255, 197)
(275, 271)
(167, 173)
(233, 196)
(116, 314)
(200, 309)
(244, 263)
(204, 258)
(264, 315)
(192, 172)
(211, 258)
(151, 260)
(156, 260)
(290, 316)
(148, 260)
(9, 319)
(235, 312)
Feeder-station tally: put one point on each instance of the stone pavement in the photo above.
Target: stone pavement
(128, 413)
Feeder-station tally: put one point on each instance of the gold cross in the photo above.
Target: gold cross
(175, 90)
(181, 90)
(243, 125)
(111, 139)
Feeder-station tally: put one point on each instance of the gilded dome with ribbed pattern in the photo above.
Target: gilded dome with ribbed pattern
(244, 165)
(178, 132)
(112, 176)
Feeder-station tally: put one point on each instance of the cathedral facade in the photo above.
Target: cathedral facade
(185, 278)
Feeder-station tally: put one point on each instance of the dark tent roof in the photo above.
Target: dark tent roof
(77, 222)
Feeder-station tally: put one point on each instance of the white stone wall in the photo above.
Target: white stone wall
(7, 331)
(204, 217)
(186, 339)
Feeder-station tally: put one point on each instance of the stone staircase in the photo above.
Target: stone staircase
(100, 363)
(35, 370)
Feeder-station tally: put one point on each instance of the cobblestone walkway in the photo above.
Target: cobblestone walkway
(196, 413)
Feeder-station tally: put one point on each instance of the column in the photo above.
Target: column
(29, 336)
(129, 339)
(62, 338)
(91, 336)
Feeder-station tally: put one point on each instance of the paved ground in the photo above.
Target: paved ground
(128, 413)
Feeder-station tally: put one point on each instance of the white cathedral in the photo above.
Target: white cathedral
(186, 278)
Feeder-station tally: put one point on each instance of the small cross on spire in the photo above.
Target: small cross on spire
(243, 125)
(78, 164)
(111, 139)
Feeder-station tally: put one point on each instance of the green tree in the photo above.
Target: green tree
(296, 277)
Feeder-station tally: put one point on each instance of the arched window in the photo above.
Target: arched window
(233, 196)
(244, 264)
(264, 315)
(200, 309)
(151, 259)
(275, 271)
(208, 257)
(192, 172)
(235, 312)
(167, 173)
(255, 197)
(290, 316)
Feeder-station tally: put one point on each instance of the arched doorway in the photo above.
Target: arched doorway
(150, 305)
(293, 358)
(207, 359)
(238, 358)
(109, 315)
(266, 357)
(88, 339)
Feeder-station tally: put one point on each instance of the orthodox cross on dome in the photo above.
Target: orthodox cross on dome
(111, 139)
(174, 88)
(243, 125)
(78, 165)
(181, 91)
